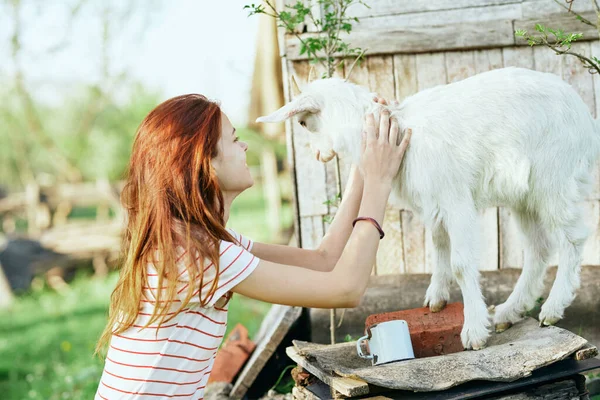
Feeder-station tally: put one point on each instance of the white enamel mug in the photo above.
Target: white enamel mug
(387, 341)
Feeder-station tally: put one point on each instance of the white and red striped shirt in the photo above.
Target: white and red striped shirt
(176, 360)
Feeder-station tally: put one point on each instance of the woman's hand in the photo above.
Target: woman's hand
(382, 153)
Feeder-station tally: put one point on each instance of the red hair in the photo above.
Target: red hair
(172, 198)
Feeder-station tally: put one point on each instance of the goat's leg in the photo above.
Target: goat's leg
(462, 226)
(571, 239)
(530, 285)
(438, 291)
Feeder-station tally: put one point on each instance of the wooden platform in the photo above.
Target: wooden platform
(510, 356)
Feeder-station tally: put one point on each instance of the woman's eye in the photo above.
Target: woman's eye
(237, 138)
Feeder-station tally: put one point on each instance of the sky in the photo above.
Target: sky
(185, 46)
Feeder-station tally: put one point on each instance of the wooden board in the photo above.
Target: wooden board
(389, 22)
(518, 57)
(418, 39)
(347, 386)
(273, 329)
(395, 7)
(539, 8)
(487, 60)
(510, 355)
(390, 255)
(312, 231)
(405, 76)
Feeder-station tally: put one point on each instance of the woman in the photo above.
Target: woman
(168, 312)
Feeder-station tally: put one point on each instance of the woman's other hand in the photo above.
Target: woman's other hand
(382, 151)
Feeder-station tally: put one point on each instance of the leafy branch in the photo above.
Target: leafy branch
(327, 47)
(560, 42)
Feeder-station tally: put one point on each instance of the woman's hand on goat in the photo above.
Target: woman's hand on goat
(382, 152)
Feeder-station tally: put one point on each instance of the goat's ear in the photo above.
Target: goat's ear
(298, 105)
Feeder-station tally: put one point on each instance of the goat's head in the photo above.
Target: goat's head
(331, 112)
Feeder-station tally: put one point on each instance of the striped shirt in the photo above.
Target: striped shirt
(176, 360)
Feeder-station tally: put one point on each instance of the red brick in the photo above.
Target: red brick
(431, 334)
(232, 356)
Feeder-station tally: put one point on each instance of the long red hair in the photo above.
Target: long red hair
(171, 198)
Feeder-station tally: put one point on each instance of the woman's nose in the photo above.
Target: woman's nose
(245, 146)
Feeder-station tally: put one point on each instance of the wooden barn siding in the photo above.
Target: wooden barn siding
(407, 247)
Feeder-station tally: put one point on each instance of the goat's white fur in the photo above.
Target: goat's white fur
(510, 137)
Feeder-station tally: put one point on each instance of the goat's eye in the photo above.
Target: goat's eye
(302, 123)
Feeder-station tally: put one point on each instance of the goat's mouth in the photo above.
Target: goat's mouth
(325, 157)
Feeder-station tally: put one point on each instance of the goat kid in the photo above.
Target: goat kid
(509, 137)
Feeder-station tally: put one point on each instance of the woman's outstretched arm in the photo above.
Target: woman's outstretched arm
(329, 251)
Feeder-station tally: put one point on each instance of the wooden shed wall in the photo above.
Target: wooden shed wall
(407, 56)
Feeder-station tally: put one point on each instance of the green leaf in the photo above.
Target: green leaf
(540, 28)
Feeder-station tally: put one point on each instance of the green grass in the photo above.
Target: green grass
(47, 340)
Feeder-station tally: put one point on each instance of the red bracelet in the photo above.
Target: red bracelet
(373, 221)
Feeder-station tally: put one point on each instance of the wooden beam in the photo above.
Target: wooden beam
(419, 39)
(347, 386)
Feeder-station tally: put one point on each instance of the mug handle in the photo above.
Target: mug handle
(359, 350)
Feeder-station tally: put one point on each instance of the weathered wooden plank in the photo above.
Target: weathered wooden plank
(394, 7)
(273, 329)
(420, 39)
(564, 21)
(487, 60)
(312, 231)
(431, 70)
(578, 76)
(389, 22)
(459, 65)
(511, 244)
(541, 8)
(390, 255)
(381, 76)
(310, 173)
(511, 355)
(518, 57)
(545, 60)
(346, 386)
(405, 76)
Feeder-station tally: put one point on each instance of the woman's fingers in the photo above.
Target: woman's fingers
(394, 132)
(405, 141)
(369, 128)
(384, 126)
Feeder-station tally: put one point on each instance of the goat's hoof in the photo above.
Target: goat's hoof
(501, 327)
(437, 307)
(548, 321)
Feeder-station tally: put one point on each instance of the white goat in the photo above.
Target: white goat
(509, 137)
